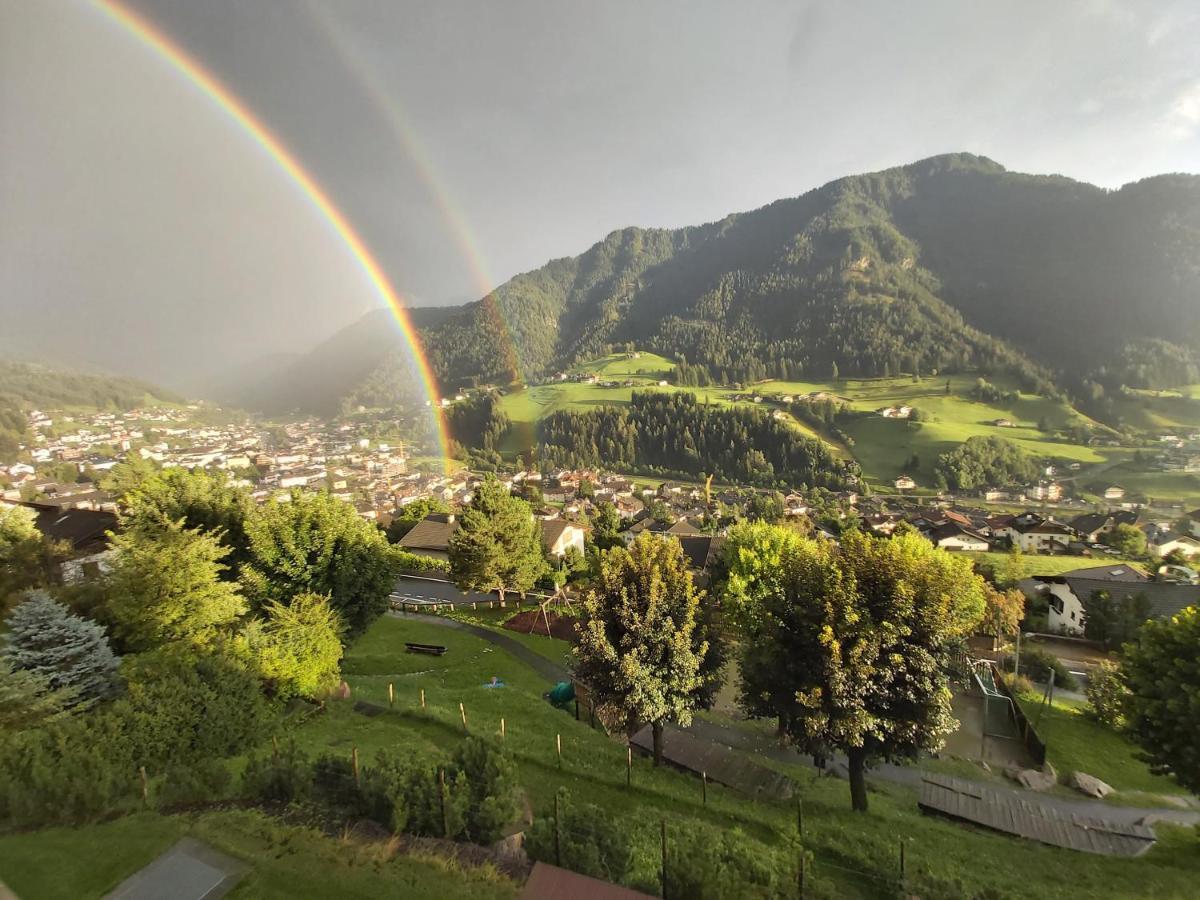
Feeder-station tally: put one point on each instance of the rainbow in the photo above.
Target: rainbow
(389, 110)
(231, 105)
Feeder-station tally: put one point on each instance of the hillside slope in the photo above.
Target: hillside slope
(952, 263)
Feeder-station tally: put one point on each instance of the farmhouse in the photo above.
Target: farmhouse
(1066, 594)
(953, 536)
(559, 536)
(431, 536)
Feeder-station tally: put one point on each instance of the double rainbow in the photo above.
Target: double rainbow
(210, 85)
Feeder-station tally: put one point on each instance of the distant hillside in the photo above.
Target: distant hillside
(320, 380)
(952, 263)
(25, 386)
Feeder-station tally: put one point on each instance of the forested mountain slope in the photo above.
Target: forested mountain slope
(952, 263)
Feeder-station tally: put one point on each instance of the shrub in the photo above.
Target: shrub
(1107, 694)
(705, 863)
(1037, 664)
(202, 781)
(283, 777)
(492, 784)
(591, 841)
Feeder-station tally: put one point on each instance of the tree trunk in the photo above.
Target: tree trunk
(858, 779)
(657, 729)
(781, 726)
(500, 591)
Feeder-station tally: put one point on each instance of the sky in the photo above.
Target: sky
(142, 231)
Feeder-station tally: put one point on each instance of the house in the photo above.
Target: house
(1161, 541)
(84, 531)
(431, 536)
(701, 550)
(953, 536)
(895, 412)
(1093, 526)
(1035, 534)
(1114, 492)
(1066, 594)
(559, 536)
(904, 483)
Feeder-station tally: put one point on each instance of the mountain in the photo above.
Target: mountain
(951, 263)
(320, 380)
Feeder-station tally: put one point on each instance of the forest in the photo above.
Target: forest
(982, 462)
(677, 434)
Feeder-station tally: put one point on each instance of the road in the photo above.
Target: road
(421, 591)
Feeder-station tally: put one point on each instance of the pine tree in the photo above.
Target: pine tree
(498, 543)
(26, 699)
(64, 650)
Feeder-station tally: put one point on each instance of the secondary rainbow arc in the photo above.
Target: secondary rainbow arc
(237, 110)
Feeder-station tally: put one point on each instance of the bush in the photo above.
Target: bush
(591, 841)
(1037, 664)
(705, 863)
(1107, 694)
(492, 784)
(202, 781)
(284, 777)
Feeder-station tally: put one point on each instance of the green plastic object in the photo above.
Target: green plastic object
(563, 693)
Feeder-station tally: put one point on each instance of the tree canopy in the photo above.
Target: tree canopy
(639, 653)
(498, 543)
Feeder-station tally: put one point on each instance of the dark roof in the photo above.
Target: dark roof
(953, 529)
(700, 549)
(547, 882)
(431, 533)
(1110, 572)
(84, 529)
(1166, 598)
(683, 526)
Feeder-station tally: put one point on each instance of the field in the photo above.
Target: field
(850, 855)
(883, 447)
(286, 861)
(1034, 564)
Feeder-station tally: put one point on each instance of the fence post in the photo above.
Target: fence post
(576, 709)
(800, 877)
(145, 786)
(800, 816)
(558, 746)
(442, 795)
(462, 711)
(274, 750)
(664, 859)
(502, 728)
(628, 765)
(422, 698)
(354, 764)
(557, 839)
(704, 788)
(391, 694)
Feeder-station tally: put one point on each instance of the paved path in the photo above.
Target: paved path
(736, 739)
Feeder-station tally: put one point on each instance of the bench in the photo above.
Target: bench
(431, 649)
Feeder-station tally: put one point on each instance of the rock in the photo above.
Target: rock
(1090, 785)
(1038, 779)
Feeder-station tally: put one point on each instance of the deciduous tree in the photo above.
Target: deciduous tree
(861, 635)
(315, 543)
(638, 651)
(1162, 670)
(166, 588)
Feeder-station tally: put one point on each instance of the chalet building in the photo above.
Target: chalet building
(904, 483)
(1092, 527)
(84, 531)
(1035, 534)
(1114, 492)
(559, 536)
(1066, 594)
(953, 536)
(431, 536)
(1162, 541)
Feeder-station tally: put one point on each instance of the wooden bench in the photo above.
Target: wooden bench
(431, 649)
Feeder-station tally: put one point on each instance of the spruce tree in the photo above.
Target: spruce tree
(64, 650)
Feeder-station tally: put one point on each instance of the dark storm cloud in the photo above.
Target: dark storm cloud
(139, 221)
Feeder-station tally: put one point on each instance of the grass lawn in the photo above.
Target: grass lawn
(287, 861)
(593, 769)
(1183, 487)
(1077, 743)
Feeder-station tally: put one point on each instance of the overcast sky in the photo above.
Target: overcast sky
(140, 230)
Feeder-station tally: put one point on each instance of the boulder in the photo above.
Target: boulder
(1038, 779)
(1090, 785)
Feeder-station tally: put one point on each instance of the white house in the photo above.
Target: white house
(904, 483)
(952, 536)
(1068, 593)
(1114, 492)
(559, 536)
